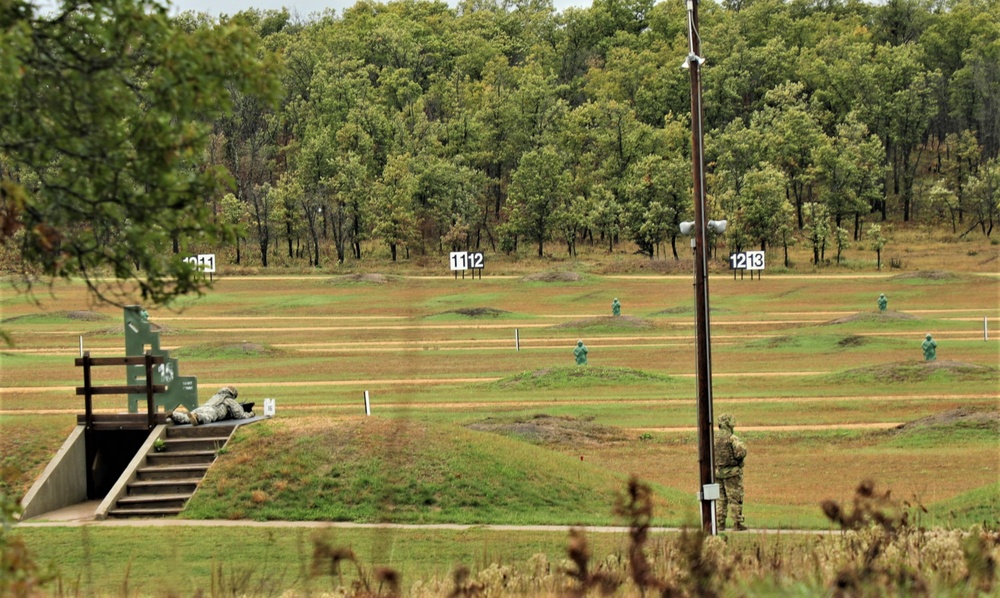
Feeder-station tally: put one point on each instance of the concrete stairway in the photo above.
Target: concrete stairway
(168, 479)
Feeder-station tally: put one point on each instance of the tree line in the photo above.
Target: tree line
(419, 128)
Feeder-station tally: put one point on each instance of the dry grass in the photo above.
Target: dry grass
(964, 416)
(885, 316)
(783, 470)
(609, 323)
(553, 431)
(371, 278)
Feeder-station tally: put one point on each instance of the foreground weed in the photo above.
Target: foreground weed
(882, 553)
(20, 573)
(582, 579)
(382, 582)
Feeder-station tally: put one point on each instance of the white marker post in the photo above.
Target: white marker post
(986, 333)
(459, 262)
(81, 342)
(368, 405)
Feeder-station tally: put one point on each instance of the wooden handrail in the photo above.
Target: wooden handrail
(88, 390)
(100, 361)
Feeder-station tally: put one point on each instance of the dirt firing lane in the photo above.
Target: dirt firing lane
(404, 382)
(533, 404)
(244, 523)
(526, 342)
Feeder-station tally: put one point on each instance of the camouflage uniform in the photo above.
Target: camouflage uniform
(616, 308)
(729, 454)
(580, 352)
(883, 302)
(221, 406)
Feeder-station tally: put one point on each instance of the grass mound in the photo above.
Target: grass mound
(683, 310)
(980, 506)
(552, 430)
(375, 469)
(473, 312)
(607, 323)
(59, 316)
(962, 417)
(551, 277)
(918, 371)
(226, 350)
(867, 316)
(775, 342)
(852, 341)
(926, 275)
(163, 329)
(575, 376)
(84, 315)
(362, 279)
(964, 426)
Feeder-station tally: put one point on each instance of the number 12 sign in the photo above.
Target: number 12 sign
(747, 260)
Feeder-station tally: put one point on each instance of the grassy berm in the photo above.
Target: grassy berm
(382, 470)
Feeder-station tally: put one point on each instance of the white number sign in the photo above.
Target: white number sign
(204, 261)
(755, 260)
(459, 260)
(747, 260)
(476, 260)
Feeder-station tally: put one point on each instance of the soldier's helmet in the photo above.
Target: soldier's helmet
(726, 421)
(928, 337)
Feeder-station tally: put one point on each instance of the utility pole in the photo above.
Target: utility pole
(709, 490)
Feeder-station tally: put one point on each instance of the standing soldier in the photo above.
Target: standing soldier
(580, 352)
(616, 307)
(883, 302)
(729, 454)
(930, 349)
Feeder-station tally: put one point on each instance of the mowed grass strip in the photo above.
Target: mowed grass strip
(193, 560)
(379, 469)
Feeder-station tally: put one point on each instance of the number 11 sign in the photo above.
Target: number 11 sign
(459, 260)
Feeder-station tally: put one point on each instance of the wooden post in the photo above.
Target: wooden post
(703, 359)
(88, 397)
(150, 407)
(90, 448)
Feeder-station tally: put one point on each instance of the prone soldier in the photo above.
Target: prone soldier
(222, 405)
